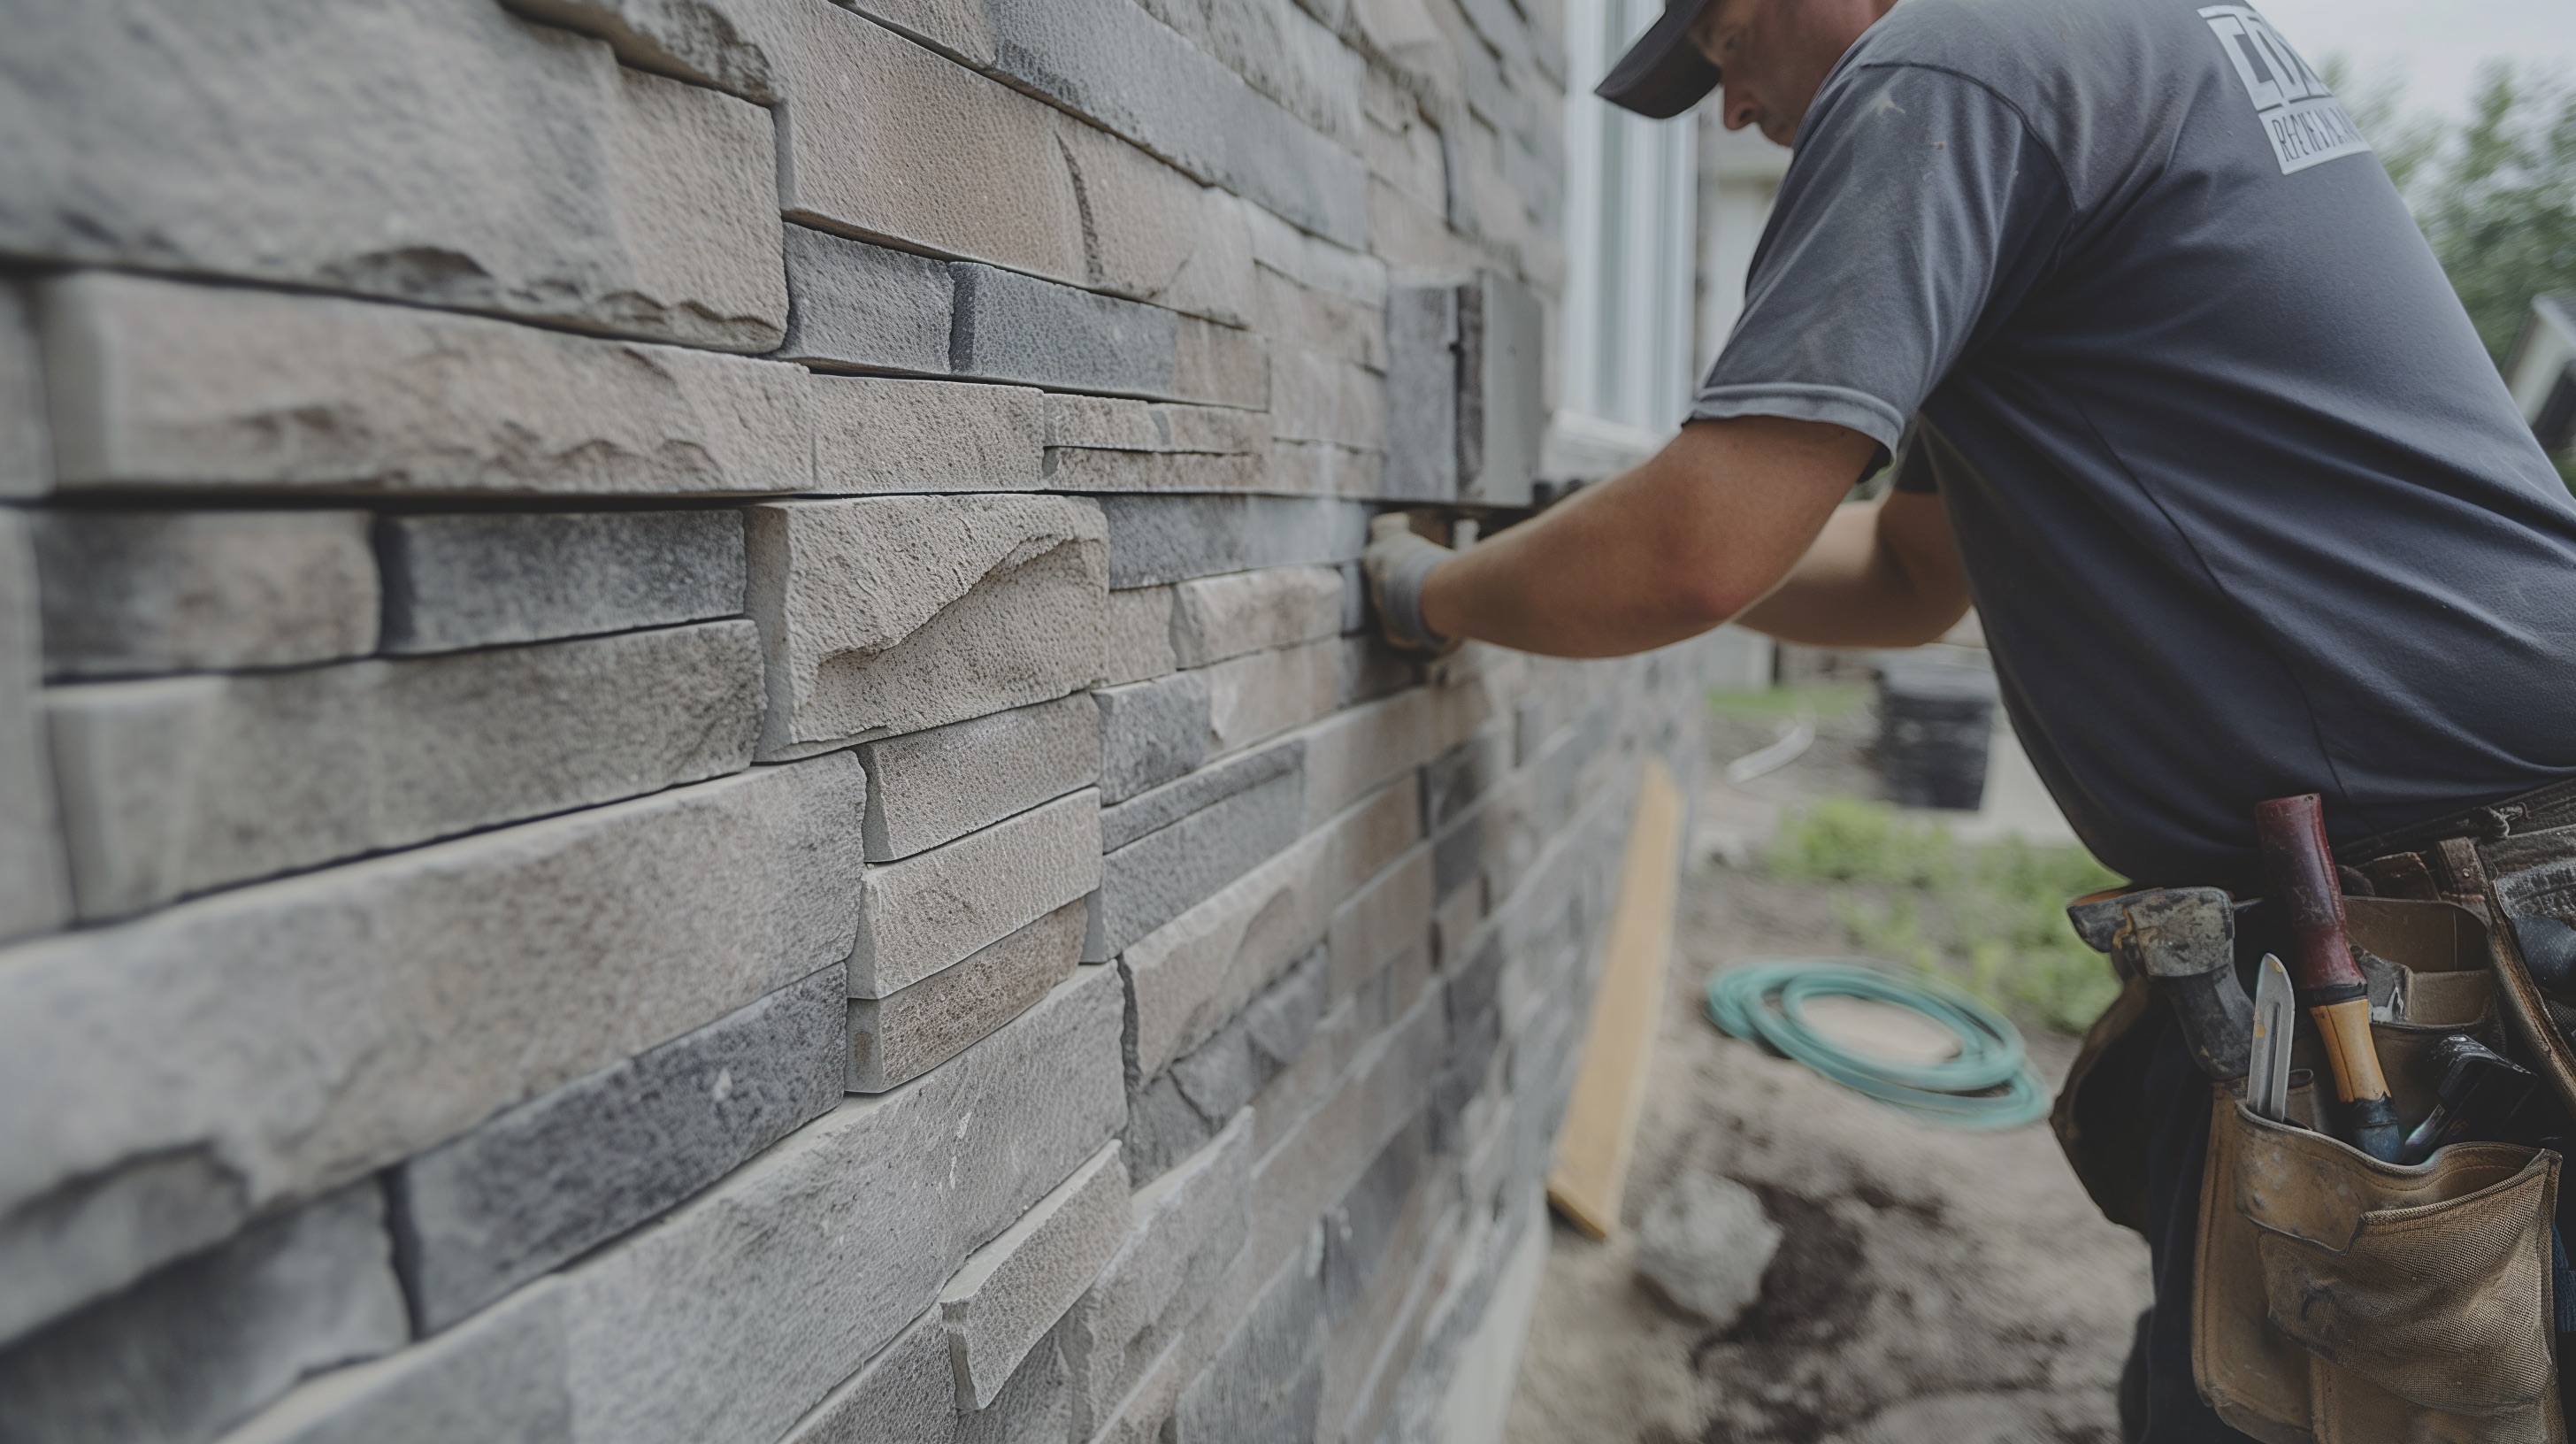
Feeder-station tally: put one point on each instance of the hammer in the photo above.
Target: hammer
(2184, 940)
(2291, 834)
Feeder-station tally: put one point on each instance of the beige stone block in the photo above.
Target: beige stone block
(26, 451)
(1219, 617)
(1081, 470)
(897, 1038)
(1314, 397)
(1389, 916)
(1309, 318)
(879, 433)
(931, 910)
(926, 788)
(1012, 1291)
(440, 152)
(1221, 364)
(1155, 234)
(160, 384)
(1139, 628)
(1110, 423)
(1316, 263)
(1258, 696)
(1194, 972)
(1358, 750)
(884, 615)
(1323, 468)
(229, 1056)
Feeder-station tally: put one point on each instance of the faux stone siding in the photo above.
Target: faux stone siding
(689, 746)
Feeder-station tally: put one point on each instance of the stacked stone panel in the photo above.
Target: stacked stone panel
(689, 745)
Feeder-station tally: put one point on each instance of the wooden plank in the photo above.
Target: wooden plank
(1610, 1087)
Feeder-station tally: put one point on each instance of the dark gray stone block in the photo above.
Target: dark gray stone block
(1206, 787)
(1174, 1114)
(1159, 876)
(1457, 777)
(1361, 1223)
(453, 582)
(502, 1379)
(1458, 855)
(862, 307)
(549, 1179)
(208, 1340)
(1265, 1381)
(1010, 327)
(1174, 538)
(1150, 733)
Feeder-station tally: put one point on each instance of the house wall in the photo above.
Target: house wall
(689, 747)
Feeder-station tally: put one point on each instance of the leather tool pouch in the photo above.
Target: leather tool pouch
(2338, 1299)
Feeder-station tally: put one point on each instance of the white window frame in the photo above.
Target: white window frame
(1625, 333)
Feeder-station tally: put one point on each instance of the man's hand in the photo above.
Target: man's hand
(1699, 533)
(1396, 561)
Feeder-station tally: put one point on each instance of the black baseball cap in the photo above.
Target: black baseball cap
(1663, 74)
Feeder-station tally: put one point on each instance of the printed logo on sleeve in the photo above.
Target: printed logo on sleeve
(2303, 120)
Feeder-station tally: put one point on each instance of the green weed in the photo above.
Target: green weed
(1990, 917)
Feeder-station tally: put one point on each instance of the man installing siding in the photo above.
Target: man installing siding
(2176, 395)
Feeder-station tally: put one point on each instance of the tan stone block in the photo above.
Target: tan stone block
(1221, 364)
(1358, 750)
(879, 433)
(1259, 696)
(1080, 469)
(1314, 397)
(936, 908)
(897, 1038)
(1216, 618)
(1108, 423)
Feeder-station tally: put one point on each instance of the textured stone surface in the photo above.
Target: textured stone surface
(174, 786)
(927, 788)
(458, 157)
(880, 433)
(167, 385)
(1704, 1243)
(1191, 974)
(1265, 1382)
(1266, 693)
(26, 448)
(1319, 398)
(930, 910)
(730, 1317)
(1284, 53)
(885, 615)
(1034, 1407)
(1361, 1223)
(1139, 645)
(1150, 733)
(130, 592)
(540, 1184)
(1108, 423)
(1388, 917)
(35, 888)
(907, 1394)
(1353, 753)
(1173, 1114)
(1173, 538)
(864, 306)
(1206, 787)
(1187, 1226)
(486, 580)
(497, 1379)
(1158, 876)
(708, 42)
(1076, 469)
(905, 1034)
(208, 1340)
(1011, 327)
(1014, 1289)
(1214, 618)
(234, 1054)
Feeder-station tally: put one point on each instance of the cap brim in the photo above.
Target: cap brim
(1663, 74)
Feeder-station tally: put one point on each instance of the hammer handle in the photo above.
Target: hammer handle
(2291, 831)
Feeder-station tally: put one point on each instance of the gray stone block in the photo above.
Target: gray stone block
(1173, 538)
(1105, 423)
(1362, 1222)
(1282, 53)
(209, 1340)
(1173, 1114)
(156, 384)
(1188, 1227)
(1150, 733)
(26, 450)
(1011, 1292)
(1382, 921)
(886, 615)
(1265, 1382)
(460, 158)
(1422, 385)
(1214, 618)
(883, 433)
(1139, 645)
(1011, 327)
(1076, 469)
(1464, 773)
(931, 787)
(541, 1184)
(897, 1038)
(230, 1056)
(486, 580)
(714, 43)
(857, 305)
(1358, 750)
(177, 786)
(907, 1394)
(499, 1379)
(132, 592)
(1161, 875)
(1034, 1407)
(935, 908)
(1174, 800)
(1266, 693)
(35, 887)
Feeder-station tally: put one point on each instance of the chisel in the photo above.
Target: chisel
(2291, 831)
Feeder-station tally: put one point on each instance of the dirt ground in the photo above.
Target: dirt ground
(1932, 1285)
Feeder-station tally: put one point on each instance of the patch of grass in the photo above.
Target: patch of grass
(1990, 917)
(1763, 702)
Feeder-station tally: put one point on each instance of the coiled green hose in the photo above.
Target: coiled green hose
(1766, 1001)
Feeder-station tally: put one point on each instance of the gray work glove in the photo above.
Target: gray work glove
(1396, 562)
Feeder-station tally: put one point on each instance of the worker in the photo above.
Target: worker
(2173, 391)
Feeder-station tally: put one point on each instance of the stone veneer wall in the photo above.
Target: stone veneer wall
(624, 822)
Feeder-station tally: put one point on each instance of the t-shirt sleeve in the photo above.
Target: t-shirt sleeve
(1915, 198)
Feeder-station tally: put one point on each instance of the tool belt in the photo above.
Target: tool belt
(2336, 1298)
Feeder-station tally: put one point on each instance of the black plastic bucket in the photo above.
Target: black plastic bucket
(1934, 720)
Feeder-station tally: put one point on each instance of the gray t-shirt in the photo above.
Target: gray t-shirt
(2245, 508)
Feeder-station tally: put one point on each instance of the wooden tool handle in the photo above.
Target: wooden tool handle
(2291, 831)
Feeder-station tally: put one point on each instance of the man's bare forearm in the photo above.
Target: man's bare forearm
(1664, 552)
(1881, 574)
